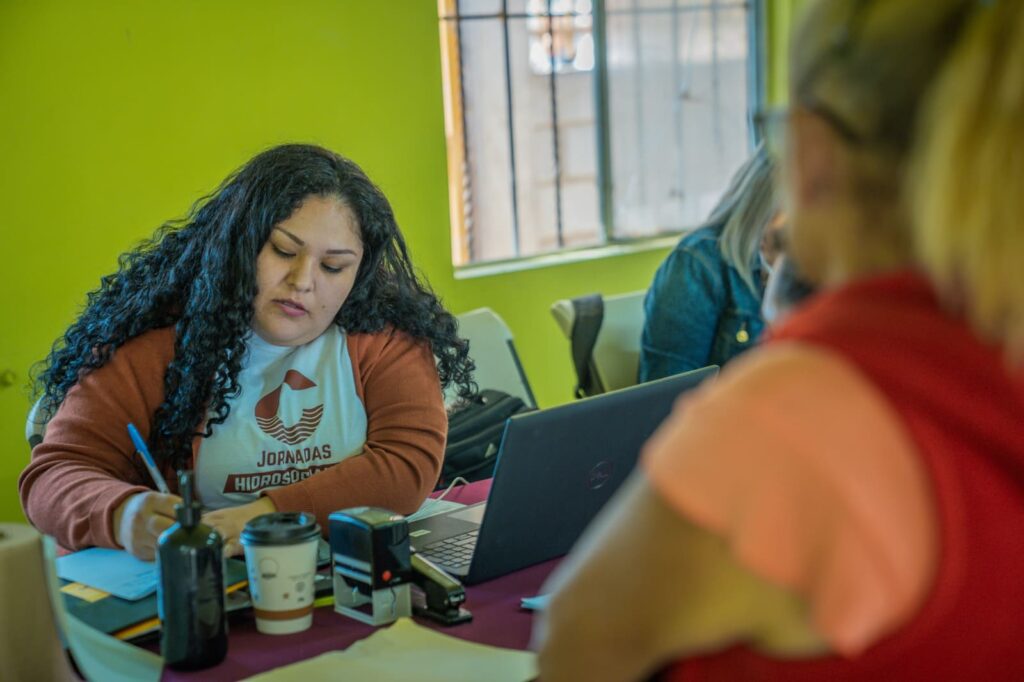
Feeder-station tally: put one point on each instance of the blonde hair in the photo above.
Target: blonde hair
(865, 66)
(746, 208)
(870, 63)
(931, 94)
(967, 191)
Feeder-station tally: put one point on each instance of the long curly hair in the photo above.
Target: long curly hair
(199, 274)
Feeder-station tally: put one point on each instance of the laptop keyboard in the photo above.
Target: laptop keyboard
(454, 552)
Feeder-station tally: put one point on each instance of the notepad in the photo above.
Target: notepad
(98, 656)
(407, 651)
(128, 619)
(111, 570)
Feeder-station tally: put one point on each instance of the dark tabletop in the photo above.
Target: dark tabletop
(497, 620)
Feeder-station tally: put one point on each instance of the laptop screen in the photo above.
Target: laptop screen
(557, 467)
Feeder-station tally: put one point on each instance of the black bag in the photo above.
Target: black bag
(474, 434)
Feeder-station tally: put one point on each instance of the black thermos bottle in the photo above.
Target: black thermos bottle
(191, 588)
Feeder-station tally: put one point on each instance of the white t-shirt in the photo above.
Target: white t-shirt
(297, 413)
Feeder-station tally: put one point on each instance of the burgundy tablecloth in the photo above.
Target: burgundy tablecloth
(497, 620)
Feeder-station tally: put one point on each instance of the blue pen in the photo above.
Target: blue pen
(140, 445)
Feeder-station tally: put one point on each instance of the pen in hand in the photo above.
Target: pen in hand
(140, 445)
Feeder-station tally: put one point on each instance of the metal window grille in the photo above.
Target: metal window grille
(549, 109)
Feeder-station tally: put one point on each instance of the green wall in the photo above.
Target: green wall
(779, 17)
(116, 116)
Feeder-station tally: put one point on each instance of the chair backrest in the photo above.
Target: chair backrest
(616, 356)
(35, 425)
(493, 351)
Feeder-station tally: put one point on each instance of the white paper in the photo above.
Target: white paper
(432, 507)
(408, 652)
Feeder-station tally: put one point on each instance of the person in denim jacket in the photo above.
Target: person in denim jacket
(704, 306)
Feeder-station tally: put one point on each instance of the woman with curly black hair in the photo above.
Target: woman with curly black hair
(277, 340)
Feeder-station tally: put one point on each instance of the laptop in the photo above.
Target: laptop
(556, 468)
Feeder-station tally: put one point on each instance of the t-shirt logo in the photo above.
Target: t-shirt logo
(270, 423)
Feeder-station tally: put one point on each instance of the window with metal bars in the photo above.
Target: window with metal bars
(580, 123)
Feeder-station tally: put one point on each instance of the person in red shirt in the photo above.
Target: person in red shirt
(846, 502)
(277, 340)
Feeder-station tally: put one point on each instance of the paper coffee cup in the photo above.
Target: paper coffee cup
(280, 558)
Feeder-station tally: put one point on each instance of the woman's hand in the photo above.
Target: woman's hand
(230, 522)
(140, 519)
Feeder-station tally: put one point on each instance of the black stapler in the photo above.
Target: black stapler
(442, 593)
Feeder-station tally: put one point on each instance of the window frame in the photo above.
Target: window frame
(449, 27)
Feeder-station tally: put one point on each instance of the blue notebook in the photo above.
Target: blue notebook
(113, 615)
(111, 570)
